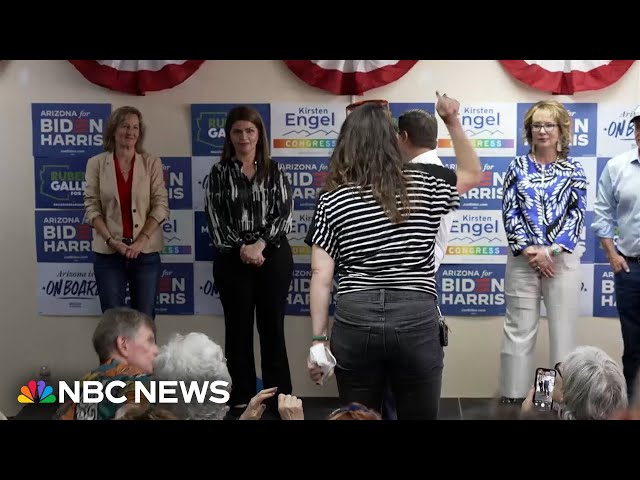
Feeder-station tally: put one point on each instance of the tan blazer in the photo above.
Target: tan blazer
(149, 198)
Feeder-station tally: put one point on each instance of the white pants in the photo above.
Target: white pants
(523, 289)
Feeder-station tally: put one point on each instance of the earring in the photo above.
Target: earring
(558, 146)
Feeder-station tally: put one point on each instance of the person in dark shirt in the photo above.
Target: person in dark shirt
(249, 207)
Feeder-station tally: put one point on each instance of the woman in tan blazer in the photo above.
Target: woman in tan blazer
(125, 202)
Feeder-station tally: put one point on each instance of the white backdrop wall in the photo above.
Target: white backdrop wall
(28, 340)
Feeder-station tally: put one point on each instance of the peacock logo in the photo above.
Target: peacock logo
(36, 392)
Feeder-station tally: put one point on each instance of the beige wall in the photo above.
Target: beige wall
(28, 340)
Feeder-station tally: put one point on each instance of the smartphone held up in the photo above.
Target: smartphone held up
(545, 380)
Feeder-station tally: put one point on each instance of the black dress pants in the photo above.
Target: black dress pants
(245, 289)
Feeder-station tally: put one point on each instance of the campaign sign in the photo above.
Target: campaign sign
(477, 237)
(61, 236)
(604, 292)
(206, 295)
(307, 176)
(69, 129)
(490, 128)
(175, 289)
(488, 194)
(200, 169)
(178, 237)
(616, 132)
(305, 129)
(60, 182)
(208, 121)
(298, 300)
(205, 250)
(300, 223)
(177, 179)
(67, 289)
(467, 290)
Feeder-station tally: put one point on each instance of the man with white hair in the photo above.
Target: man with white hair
(617, 205)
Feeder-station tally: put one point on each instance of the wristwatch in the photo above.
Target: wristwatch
(556, 250)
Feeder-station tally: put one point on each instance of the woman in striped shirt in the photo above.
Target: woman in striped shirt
(375, 225)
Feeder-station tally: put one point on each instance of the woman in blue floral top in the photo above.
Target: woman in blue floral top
(543, 209)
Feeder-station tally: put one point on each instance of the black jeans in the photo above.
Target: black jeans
(245, 289)
(628, 304)
(389, 336)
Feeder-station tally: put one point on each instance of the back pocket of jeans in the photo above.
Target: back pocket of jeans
(419, 346)
(349, 344)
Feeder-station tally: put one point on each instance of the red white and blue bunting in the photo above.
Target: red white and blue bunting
(137, 76)
(349, 77)
(567, 76)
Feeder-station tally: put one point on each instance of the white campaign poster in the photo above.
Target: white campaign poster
(300, 222)
(305, 129)
(615, 129)
(67, 289)
(178, 237)
(200, 169)
(206, 300)
(491, 127)
(477, 236)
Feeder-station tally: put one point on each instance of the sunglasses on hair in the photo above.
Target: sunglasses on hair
(557, 368)
(383, 103)
(349, 408)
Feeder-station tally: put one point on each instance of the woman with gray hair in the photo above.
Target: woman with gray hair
(589, 385)
(593, 385)
(196, 358)
(193, 357)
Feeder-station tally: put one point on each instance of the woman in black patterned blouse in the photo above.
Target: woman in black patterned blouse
(249, 206)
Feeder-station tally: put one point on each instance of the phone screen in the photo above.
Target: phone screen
(545, 381)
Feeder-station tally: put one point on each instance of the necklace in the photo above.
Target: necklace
(546, 169)
(124, 170)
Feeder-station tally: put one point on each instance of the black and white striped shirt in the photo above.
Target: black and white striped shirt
(371, 252)
(238, 207)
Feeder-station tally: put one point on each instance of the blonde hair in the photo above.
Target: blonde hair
(560, 115)
(116, 118)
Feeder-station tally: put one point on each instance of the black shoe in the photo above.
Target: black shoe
(511, 401)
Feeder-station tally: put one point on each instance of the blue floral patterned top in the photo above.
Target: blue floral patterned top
(543, 204)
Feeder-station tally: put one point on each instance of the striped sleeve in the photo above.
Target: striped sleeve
(323, 234)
